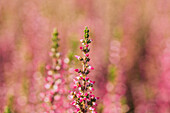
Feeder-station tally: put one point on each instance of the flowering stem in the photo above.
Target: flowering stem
(54, 80)
(84, 101)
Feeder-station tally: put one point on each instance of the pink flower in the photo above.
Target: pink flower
(47, 86)
(42, 95)
(78, 78)
(90, 67)
(79, 85)
(87, 55)
(85, 98)
(87, 78)
(85, 94)
(77, 70)
(75, 86)
(78, 95)
(81, 100)
(81, 48)
(92, 96)
(50, 54)
(81, 40)
(48, 67)
(94, 103)
(97, 98)
(92, 89)
(92, 82)
(78, 57)
(78, 109)
(73, 103)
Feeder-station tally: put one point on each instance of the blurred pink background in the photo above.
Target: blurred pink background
(130, 51)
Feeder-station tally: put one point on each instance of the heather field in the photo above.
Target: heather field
(84, 56)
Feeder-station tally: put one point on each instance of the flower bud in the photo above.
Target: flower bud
(78, 109)
(81, 100)
(92, 89)
(78, 57)
(48, 67)
(87, 55)
(79, 85)
(85, 98)
(50, 54)
(97, 98)
(85, 94)
(57, 54)
(94, 103)
(78, 77)
(42, 95)
(90, 67)
(75, 86)
(81, 40)
(87, 45)
(47, 86)
(81, 48)
(75, 81)
(73, 103)
(77, 70)
(87, 78)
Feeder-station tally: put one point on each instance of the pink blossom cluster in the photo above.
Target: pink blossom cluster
(54, 97)
(84, 100)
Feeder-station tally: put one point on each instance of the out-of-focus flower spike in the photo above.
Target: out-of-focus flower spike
(54, 81)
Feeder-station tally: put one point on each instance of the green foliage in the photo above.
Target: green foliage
(123, 100)
(55, 39)
(111, 73)
(7, 110)
(100, 108)
(74, 43)
(10, 101)
(71, 56)
(118, 32)
(25, 85)
(41, 68)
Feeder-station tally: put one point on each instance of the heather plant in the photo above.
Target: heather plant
(142, 74)
(83, 99)
(55, 84)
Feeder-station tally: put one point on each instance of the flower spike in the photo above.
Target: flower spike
(84, 100)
